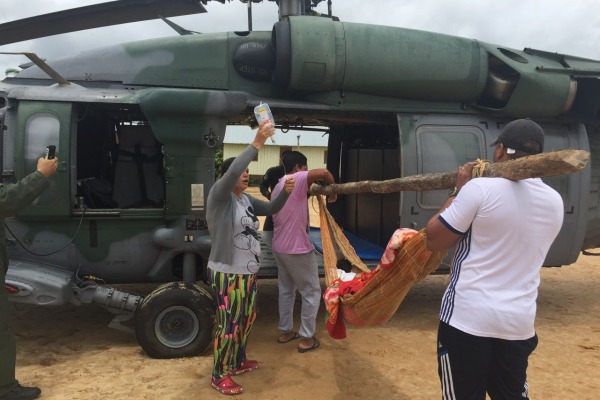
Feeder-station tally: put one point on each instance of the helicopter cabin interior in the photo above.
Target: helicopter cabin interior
(360, 155)
(119, 160)
(118, 165)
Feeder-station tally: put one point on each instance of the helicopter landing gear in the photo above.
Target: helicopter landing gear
(175, 320)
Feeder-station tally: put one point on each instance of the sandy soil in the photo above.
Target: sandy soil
(72, 354)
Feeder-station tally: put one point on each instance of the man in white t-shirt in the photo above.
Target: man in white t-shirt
(502, 231)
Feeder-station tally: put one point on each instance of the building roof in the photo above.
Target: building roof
(244, 135)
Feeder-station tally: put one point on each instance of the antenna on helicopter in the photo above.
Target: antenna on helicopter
(182, 31)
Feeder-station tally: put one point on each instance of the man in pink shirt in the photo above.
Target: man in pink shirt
(295, 254)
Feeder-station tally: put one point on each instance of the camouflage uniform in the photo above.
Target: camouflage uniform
(13, 197)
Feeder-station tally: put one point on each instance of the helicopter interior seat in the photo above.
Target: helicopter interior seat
(138, 174)
(96, 145)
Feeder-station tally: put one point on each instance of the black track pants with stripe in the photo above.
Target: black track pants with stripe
(469, 366)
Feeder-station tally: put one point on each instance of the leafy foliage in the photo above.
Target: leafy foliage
(218, 161)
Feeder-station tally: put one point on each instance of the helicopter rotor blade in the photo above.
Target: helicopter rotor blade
(95, 16)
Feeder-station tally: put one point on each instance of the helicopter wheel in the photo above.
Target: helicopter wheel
(175, 320)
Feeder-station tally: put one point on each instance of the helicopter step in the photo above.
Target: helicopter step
(33, 283)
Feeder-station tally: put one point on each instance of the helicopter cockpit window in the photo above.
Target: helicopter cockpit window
(444, 148)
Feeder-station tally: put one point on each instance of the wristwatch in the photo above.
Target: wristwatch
(453, 192)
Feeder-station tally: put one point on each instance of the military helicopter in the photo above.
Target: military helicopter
(136, 127)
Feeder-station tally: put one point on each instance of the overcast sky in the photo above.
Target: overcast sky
(552, 25)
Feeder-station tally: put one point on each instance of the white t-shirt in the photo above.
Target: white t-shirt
(508, 227)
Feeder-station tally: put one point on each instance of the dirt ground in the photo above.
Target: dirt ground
(71, 353)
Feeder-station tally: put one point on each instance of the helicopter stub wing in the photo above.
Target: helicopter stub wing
(95, 16)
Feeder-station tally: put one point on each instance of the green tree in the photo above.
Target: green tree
(218, 161)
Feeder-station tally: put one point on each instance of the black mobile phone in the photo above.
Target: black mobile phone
(50, 152)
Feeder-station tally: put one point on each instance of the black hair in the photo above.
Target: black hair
(344, 265)
(292, 158)
(283, 156)
(225, 165)
(532, 147)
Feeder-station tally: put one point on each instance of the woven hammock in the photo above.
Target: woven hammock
(378, 300)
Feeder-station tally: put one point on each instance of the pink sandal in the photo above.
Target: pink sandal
(246, 366)
(226, 385)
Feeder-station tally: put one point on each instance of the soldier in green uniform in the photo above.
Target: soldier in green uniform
(13, 197)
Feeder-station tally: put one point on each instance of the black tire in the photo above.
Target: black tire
(175, 320)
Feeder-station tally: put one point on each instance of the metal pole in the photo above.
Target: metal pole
(290, 7)
(250, 15)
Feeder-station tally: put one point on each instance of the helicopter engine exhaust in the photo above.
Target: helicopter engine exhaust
(314, 54)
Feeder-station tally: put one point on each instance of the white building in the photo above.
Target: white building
(312, 144)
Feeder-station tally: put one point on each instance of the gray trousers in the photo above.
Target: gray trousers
(298, 272)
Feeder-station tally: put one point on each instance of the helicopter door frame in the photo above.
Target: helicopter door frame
(442, 143)
(432, 144)
(574, 190)
(41, 124)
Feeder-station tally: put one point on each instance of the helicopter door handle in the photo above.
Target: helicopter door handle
(412, 211)
(571, 211)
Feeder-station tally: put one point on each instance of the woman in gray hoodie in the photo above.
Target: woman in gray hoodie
(234, 261)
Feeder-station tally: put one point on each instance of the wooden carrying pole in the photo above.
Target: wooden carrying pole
(536, 166)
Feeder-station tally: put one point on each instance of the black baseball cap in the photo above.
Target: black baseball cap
(519, 131)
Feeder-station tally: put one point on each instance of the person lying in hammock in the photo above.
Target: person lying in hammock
(346, 271)
(351, 279)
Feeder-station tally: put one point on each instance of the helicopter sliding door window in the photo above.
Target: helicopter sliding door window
(444, 148)
(44, 124)
(41, 130)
